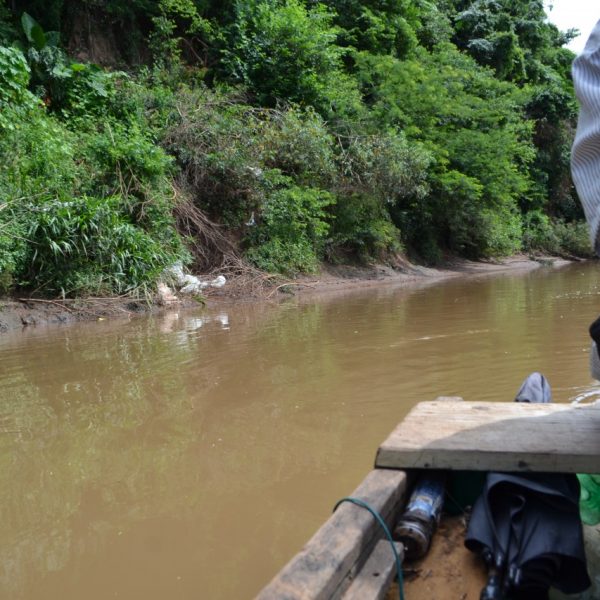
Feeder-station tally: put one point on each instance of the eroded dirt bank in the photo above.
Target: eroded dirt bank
(23, 312)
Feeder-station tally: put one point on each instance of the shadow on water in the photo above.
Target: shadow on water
(191, 455)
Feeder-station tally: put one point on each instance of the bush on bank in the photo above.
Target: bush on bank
(86, 205)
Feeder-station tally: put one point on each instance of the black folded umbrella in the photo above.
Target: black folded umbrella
(528, 528)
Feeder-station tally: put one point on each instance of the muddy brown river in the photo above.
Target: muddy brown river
(190, 456)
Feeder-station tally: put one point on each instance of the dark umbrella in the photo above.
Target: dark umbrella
(528, 528)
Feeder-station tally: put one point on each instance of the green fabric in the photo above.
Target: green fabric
(589, 501)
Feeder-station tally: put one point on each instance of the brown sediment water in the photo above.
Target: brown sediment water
(190, 456)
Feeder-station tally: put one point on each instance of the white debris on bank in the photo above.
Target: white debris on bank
(166, 296)
(187, 284)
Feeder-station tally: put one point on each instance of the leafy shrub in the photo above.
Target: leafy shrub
(37, 156)
(215, 146)
(539, 233)
(235, 158)
(232, 155)
(362, 227)
(500, 232)
(574, 238)
(87, 245)
(176, 18)
(291, 232)
(480, 148)
(15, 98)
(284, 51)
(89, 92)
(555, 236)
(296, 142)
(12, 246)
(55, 235)
(386, 166)
(378, 175)
(125, 158)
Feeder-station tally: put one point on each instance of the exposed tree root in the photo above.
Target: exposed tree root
(215, 254)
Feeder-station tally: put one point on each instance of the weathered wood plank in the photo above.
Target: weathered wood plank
(498, 436)
(374, 579)
(321, 570)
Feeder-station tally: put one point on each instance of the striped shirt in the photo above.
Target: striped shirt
(585, 155)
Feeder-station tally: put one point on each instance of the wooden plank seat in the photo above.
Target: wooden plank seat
(348, 557)
(495, 436)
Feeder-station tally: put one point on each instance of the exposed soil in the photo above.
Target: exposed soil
(21, 313)
(344, 276)
(18, 313)
(335, 279)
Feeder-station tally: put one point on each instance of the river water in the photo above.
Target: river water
(190, 456)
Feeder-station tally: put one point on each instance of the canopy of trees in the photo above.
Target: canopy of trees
(309, 131)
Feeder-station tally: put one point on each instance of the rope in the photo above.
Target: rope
(381, 522)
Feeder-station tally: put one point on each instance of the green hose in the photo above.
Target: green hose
(381, 522)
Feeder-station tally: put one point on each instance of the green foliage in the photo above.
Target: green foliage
(245, 165)
(378, 173)
(214, 141)
(12, 247)
(15, 99)
(502, 34)
(360, 128)
(362, 228)
(516, 39)
(177, 20)
(394, 28)
(83, 212)
(37, 157)
(574, 238)
(236, 160)
(386, 166)
(36, 36)
(46, 59)
(473, 126)
(284, 51)
(297, 143)
(88, 245)
(75, 89)
(89, 91)
(291, 231)
(540, 233)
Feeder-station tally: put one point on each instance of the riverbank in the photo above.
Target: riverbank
(24, 312)
(344, 277)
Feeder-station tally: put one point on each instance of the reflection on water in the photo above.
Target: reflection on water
(190, 456)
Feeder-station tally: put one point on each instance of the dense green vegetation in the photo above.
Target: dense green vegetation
(337, 130)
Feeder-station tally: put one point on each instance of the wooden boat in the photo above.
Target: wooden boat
(349, 558)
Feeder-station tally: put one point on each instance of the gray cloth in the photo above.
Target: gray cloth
(585, 155)
(535, 389)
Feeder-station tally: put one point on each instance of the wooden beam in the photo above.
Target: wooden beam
(325, 567)
(498, 436)
(375, 578)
